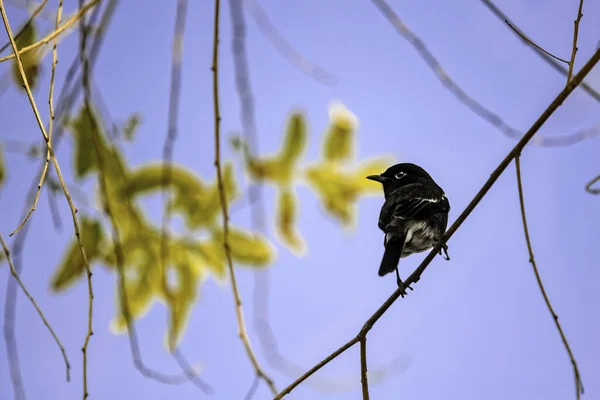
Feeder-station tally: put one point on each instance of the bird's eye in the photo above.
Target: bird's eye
(400, 175)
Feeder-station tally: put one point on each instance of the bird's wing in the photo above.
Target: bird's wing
(412, 202)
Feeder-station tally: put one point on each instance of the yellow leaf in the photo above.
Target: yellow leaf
(294, 142)
(83, 127)
(72, 266)
(247, 247)
(30, 60)
(138, 293)
(338, 143)
(286, 217)
(273, 169)
(185, 295)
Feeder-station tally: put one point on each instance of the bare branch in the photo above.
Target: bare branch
(31, 18)
(416, 275)
(252, 390)
(531, 42)
(223, 199)
(465, 98)
(363, 368)
(174, 98)
(64, 187)
(578, 383)
(588, 187)
(54, 33)
(575, 34)
(51, 118)
(556, 65)
(284, 48)
(14, 273)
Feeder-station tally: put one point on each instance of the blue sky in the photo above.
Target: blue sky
(475, 327)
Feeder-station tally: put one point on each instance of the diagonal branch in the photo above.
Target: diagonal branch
(284, 48)
(531, 42)
(14, 273)
(54, 33)
(223, 200)
(29, 21)
(416, 275)
(578, 383)
(465, 98)
(589, 188)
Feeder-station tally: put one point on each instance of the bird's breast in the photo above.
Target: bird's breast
(420, 236)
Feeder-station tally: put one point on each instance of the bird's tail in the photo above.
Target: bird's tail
(391, 256)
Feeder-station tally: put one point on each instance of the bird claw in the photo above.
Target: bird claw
(403, 288)
(442, 246)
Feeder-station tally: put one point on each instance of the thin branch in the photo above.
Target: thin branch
(252, 390)
(416, 275)
(575, 34)
(67, 97)
(531, 42)
(465, 98)
(223, 200)
(55, 32)
(32, 17)
(556, 65)
(62, 183)
(50, 122)
(54, 212)
(189, 373)
(14, 273)
(588, 187)
(282, 364)
(284, 48)
(363, 368)
(578, 383)
(174, 98)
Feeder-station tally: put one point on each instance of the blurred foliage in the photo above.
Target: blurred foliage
(337, 180)
(30, 60)
(2, 168)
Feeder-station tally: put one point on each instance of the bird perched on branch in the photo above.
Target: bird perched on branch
(414, 216)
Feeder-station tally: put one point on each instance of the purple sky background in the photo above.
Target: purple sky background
(475, 327)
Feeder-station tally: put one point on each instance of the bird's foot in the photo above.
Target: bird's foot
(402, 287)
(439, 247)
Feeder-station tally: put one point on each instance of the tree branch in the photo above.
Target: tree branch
(223, 200)
(531, 42)
(416, 275)
(575, 33)
(578, 383)
(14, 273)
(363, 368)
(465, 98)
(556, 65)
(589, 188)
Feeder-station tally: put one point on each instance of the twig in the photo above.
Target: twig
(280, 363)
(465, 98)
(67, 97)
(62, 183)
(34, 14)
(363, 368)
(252, 390)
(54, 33)
(531, 42)
(138, 362)
(50, 122)
(284, 48)
(416, 275)
(54, 212)
(175, 94)
(575, 33)
(578, 383)
(223, 200)
(556, 65)
(14, 273)
(588, 187)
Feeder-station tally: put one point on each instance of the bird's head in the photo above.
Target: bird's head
(400, 175)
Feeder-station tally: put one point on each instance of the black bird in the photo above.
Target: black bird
(414, 216)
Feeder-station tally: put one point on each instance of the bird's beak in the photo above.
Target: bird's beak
(377, 178)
